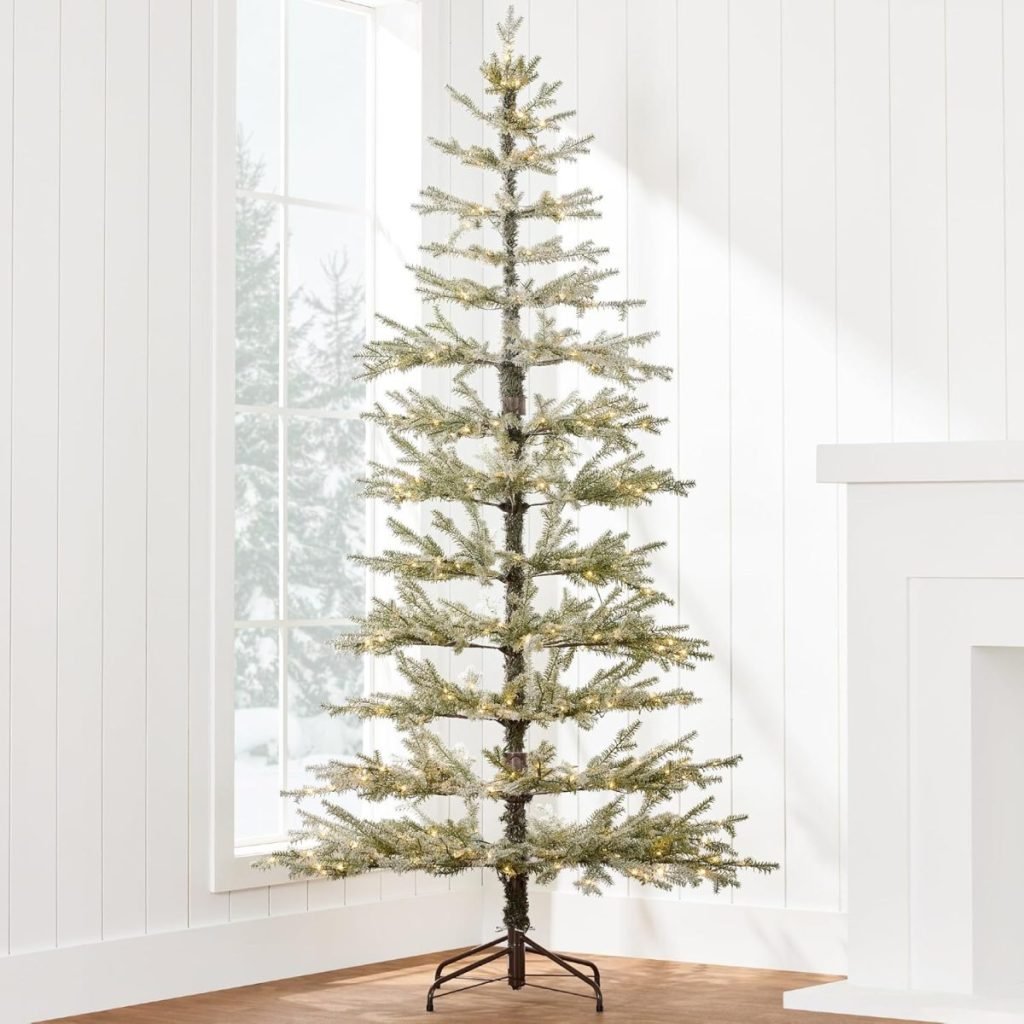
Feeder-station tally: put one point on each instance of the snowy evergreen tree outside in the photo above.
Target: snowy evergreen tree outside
(325, 330)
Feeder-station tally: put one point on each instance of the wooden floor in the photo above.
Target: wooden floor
(636, 992)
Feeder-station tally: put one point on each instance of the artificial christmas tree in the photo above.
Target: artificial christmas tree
(536, 462)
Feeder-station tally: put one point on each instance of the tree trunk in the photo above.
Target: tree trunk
(513, 403)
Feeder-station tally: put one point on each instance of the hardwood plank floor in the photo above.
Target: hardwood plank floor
(636, 992)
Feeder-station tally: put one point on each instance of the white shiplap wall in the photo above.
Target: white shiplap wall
(97, 344)
(107, 160)
(822, 204)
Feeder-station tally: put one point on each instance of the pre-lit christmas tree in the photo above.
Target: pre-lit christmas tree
(541, 460)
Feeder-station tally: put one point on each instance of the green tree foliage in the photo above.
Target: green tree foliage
(486, 471)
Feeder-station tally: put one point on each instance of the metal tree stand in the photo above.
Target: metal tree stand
(514, 946)
(512, 377)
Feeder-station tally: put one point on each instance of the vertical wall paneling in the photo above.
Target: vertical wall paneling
(125, 470)
(809, 371)
(540, 381)
(863, 307)
(479, 38)
(464, 37)
(435, 121)
(552, 37)
(1013, 141)
(603, 110)
(920, 349)
(359, 889)
(293, 898)
(6, 342)
(33, 580)
(250, 904)
(470, 36)
(702, 412)
(652, 274)
(80, 484)
(863, 254)
(757, 435)
(397, 170)
(205, 907)
(167, 479)
(977, 325)
(322, 895)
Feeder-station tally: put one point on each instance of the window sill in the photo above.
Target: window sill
(237, 870)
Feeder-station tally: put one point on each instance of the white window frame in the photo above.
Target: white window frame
(394, 158)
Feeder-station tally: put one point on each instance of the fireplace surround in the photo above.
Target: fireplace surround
(935, 684)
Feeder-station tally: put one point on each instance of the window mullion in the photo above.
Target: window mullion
(313, 204)
(342, 624)
(314, 414)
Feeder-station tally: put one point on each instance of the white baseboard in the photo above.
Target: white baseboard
(857, 1001)
(685, 931)
(124, 972)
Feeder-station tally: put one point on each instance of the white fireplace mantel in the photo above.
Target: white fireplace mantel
(935, 641)
(922, 462)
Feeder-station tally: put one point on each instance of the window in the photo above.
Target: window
(314, 172)
(303, 247)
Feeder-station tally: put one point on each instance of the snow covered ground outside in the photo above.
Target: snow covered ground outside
(258, 781)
